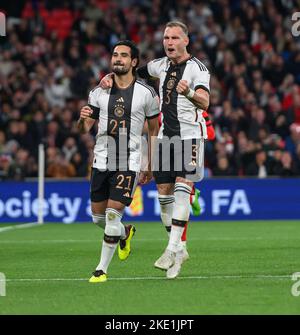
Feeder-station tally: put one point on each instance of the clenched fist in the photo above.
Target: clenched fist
(183, 87)
(85, 112)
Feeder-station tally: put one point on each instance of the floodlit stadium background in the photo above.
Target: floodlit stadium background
(54, 53)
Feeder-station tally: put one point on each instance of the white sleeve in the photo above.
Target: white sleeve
(201, 79)
(154, 67)
(92, 100)
(152, 106)
(93, 103)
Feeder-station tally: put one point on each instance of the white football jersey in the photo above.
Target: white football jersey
(121, 114)
(180, 116)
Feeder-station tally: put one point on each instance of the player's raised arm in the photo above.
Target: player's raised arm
(143, 73)
(150, 70)
(107, 81)
(199, 98)
(85, 122)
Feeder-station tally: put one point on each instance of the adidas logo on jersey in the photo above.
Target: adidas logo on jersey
(127, 195)
(120, 99)
(193, 163)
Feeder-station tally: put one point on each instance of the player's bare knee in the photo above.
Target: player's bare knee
(99, 220)
(99, 207)
(184, 181)
(165, 189)
(117, 205)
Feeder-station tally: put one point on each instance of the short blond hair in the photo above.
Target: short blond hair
(178, 24)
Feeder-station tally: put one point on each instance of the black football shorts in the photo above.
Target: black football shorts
(115, 185)
(178, 158)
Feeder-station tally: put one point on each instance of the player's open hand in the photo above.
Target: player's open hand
(107, 81)
(145, 177)
(183, 87)
(85, 112)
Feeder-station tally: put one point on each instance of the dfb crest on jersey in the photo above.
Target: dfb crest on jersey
(171, 83)
(119, 111)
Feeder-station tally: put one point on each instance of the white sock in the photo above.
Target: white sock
(174, 244)
(111, 239)
(166, 210)
(107, 252)
(181, 214)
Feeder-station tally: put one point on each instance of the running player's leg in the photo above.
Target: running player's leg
(185, 157)
(164, 179)
(112, 234)
(181, 212)
(99, 194)
(122, 187)
(183, 188)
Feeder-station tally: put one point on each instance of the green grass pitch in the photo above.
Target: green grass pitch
(234, 268)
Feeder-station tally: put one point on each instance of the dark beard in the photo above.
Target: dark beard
(119, 71)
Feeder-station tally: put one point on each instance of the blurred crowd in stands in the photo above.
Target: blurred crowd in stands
(54, 52)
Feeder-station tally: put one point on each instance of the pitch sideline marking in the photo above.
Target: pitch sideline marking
(152, 278)
(136, 239)
(77, 241)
